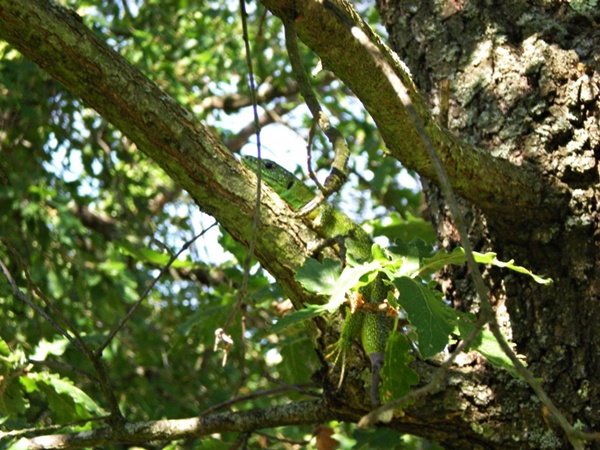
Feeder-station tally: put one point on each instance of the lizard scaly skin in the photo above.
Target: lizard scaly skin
(330, 223)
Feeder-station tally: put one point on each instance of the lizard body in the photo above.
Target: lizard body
(330, 223)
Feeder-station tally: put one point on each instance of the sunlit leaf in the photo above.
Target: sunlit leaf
(351, 278)
(457, 257)
(320, 278)
(487, 344)
(4, 350)
(45, 348)
(299, 316)
(406, 228)
(490, 258)
(440, 260)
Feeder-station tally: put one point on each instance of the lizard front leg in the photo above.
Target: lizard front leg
(351, 329)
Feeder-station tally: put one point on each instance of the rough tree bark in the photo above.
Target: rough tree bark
(524, 85)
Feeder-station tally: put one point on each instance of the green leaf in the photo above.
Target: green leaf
(203, 320)
(377, 439)
(44, 348)
(152, 256)
(352, 278)
(490, 258)
(440, 260)
(378, 253)
(12, 400)
(405, 229)
(212, 444)
(457, 257)
(66, 386)
(397, 377)
(62, 406)
(296, 317)
(299, 360)
(325, 279)
(112, 268)
(66, 400)
(486, 344)
(319, 278)
(4, 350)
(410, 254)
(431, 317)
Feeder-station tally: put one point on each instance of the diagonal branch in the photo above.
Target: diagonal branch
(498, 187)
(58, 41)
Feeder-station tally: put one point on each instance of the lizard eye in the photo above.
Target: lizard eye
(268, 165)
(289, 185)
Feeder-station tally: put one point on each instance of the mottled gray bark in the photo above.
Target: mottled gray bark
(523, 85)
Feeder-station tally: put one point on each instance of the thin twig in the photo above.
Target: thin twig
(65, 367)
(311, 137)
(77, 341)
(339, 167)
(51, 428)
(125, 319)
(297, 387)
(295, 442)
(25, 299)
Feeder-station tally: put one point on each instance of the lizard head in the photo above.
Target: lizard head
(273, 174)
(282, 181)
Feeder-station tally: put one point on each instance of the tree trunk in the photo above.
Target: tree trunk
(523, 84)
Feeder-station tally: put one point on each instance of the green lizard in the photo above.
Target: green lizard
(329, 223)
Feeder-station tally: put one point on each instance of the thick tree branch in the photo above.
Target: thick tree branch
(500, 188)
(298, 413)
(57, 40)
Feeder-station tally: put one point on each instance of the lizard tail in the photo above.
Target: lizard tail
(377, 359)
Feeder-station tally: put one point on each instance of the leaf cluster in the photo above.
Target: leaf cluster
(431, 323)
